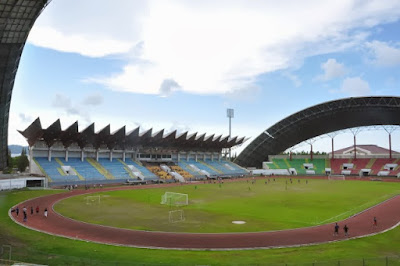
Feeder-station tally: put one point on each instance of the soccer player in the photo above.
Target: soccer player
(346, 230)
(375, 222)
(336, 232)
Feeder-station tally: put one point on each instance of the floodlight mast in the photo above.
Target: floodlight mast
(230, 115)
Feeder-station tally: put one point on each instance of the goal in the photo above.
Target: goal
(174, 199)
(336, 177)
(176, 216)
(91, 200)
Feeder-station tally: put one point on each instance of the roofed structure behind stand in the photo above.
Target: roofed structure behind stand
(70, 155)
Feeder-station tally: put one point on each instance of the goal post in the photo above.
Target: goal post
(93, 200)
(175, 199)
(336, 177)
(176, 216)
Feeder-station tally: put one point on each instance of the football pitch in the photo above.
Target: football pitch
(264, 205)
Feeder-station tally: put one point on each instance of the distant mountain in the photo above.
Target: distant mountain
(17, 149)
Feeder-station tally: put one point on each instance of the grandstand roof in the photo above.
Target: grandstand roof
(16, 20)
(120, 140)
(367, 149)
(318, 120)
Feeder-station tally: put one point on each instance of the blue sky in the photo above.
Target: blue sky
(179, 64)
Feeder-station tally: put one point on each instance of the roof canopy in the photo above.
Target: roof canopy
(122, 140)
(16, 20)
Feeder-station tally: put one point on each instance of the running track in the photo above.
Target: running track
(388, 214)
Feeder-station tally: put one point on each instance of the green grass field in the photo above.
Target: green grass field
(36, 247)
(213, 207)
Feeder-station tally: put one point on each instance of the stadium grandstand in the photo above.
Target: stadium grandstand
(72, 157)
(371, 160)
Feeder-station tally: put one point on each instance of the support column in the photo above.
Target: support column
(123, 155)
(97, 155)
(111, 155)
(49, 155)
(311, 153)
(66, 154)
(290, 155)
(30, 159)
(355, 150)
(82, 155)
(195, 156)
(333, 151)
(390, 146)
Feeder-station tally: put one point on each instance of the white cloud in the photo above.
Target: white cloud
(65, 104)
(93, 99)
(208, 47)
(295, 79)
(355, 86)
(383, 54)
(332, 69)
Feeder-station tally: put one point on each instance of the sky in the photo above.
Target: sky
(179, 64)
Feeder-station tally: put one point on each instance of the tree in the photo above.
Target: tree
(23, 161)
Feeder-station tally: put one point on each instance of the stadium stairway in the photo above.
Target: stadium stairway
(131, 175)
(215, 170)
(84, 168)
(148, 175)
(185, 166)
(100, 168)
(62, 172)
(53, 171)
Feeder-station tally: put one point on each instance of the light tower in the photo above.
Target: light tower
(230, 115)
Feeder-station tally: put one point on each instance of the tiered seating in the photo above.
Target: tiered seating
(336, 165)
(184, 165)
(203, 166)
(156, 169)
(358, 165)
(183, 173)
(379, 164)
(85, 169)
(53, 170)
(219, 167)
(115, 167)
(148, 175)
(225, 167)
(278, 164)
(298, 165)
(319, 166)
(238, 170)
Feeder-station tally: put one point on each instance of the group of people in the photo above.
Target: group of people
(346, 228)
(25, 212)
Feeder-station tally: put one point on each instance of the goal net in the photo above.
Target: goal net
(336, 177)
(174, 199)
(91, 200)
(176, 216)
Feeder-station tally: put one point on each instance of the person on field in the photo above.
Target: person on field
(375, 222)
(37, 209)
(25, 216)
(31, 210)
(17, 210)
(45, 212)
(336, 231)
(346, 230)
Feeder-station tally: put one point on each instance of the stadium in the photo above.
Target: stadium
(96, 197)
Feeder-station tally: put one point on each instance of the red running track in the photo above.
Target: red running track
(387, 213)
